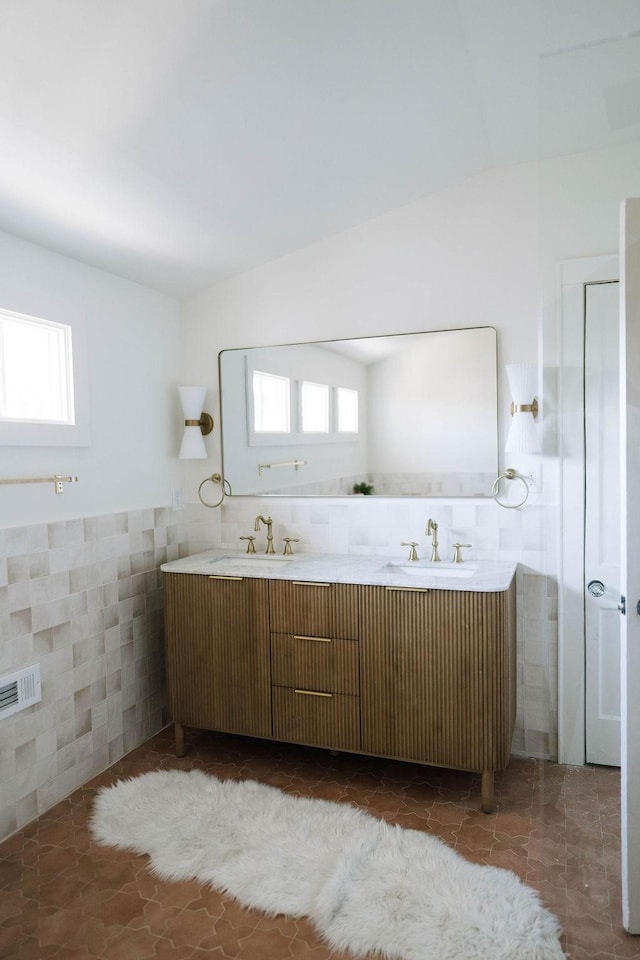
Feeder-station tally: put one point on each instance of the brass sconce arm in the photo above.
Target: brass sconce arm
(205, 423)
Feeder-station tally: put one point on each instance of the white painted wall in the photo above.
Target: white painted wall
(133, 351)
(484, 252)
(443, 417)
(465, 257)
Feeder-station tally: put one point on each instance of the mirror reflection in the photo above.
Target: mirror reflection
(406, 415)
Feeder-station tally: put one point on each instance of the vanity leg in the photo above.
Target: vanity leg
(486, 792)
(178, 731)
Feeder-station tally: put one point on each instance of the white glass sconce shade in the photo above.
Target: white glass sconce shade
(523, 436)
(196, 423)
(192, 446)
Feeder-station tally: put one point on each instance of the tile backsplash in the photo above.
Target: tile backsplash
(83, 598)
(377, 525)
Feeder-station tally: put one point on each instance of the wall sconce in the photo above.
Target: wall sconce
(196, 423)
(523, 436)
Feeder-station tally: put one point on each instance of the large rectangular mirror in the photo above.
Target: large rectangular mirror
(405, 415)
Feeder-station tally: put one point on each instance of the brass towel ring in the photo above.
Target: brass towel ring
(225, 489)
(510, 474)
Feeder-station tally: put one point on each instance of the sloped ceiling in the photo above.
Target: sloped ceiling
(179, 142)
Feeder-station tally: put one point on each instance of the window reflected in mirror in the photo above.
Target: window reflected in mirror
(271, 405)
(409, 415)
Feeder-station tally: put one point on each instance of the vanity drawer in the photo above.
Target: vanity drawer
(315, 663)
(317, 718)
(314, 608)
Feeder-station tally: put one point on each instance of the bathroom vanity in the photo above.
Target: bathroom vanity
(413, 662)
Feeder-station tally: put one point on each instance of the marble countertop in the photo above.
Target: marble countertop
(484, 576)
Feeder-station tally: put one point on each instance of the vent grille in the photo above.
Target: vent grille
(20, 690)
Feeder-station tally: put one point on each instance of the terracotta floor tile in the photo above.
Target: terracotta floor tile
(131, 944)
(64, 897)
(508, 860)
(627, 947)
(226, 935)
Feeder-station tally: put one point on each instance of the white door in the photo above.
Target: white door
(602, 522)
(630, 561)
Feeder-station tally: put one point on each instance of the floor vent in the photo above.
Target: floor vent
(19, 690)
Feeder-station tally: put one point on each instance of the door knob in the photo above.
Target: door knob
(595, 588)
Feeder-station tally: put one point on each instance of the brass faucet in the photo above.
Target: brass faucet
(268, 522)
(251, 547)
(457, 556)
(432, 530)
(412, 552)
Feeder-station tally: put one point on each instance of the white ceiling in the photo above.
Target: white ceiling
(178, 142)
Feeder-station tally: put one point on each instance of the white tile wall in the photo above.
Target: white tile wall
(84, 599)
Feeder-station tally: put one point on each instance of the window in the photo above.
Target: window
(314, 407)
(36, 373)
(283, 409)
(271, 403)
(44, 389)
(347, 410)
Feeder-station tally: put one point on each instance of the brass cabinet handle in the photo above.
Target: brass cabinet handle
(313, 693)
(309, 583)
(411, 589)
(298, 636)
(221, 576)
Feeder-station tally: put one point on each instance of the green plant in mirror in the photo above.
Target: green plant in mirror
(366, 488)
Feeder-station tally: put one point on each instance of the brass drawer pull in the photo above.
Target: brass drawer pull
(313, 693)
(410, 589)
(309, 583)
(297, 636)
(221, 576)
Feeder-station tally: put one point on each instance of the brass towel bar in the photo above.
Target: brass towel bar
(283, 463)
(57, 480)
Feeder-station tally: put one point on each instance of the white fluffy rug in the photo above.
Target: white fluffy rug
(367, 886)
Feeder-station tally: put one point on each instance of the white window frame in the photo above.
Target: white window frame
(296, 436)
(21, 433)
(336, 408)
(327, 392)
(275, 376)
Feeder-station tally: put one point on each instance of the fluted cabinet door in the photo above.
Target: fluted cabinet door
(217, 650)
(437, 676)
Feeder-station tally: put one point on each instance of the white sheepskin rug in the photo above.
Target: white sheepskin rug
(367, 886)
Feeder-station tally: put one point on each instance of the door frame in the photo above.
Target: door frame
(630, 569)
(573, 276)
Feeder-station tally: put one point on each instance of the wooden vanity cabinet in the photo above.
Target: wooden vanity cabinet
(438, 677)
(315, 671)
(423, 675)
(217, 654)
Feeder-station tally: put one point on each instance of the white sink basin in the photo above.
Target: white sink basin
(447, 571)
(252, 561)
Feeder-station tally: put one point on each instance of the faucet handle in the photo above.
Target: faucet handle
(413, 544)
(287, 545)
(456, 551)
(251, 547)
